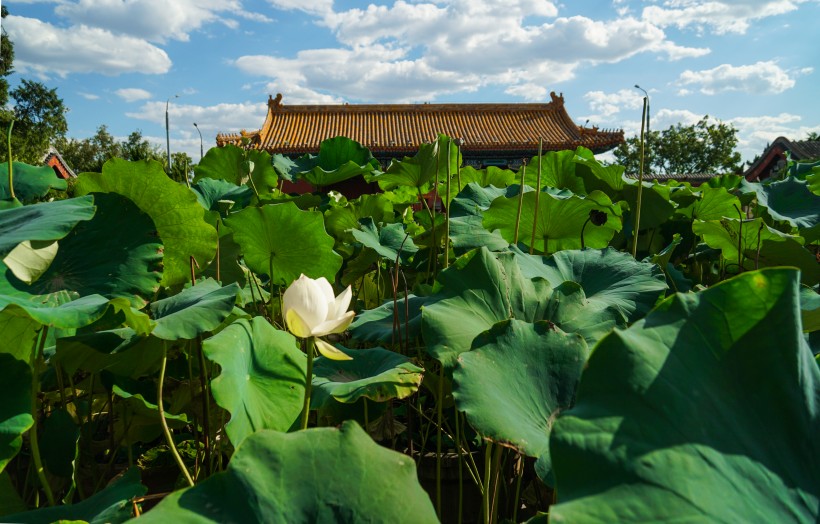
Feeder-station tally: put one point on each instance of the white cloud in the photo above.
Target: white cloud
(153, 20)
(759, 78)
(530, 92)
(308, 6)
(132, 94)
(606, 105)
(89, 96)
(756, 132)
(728, 16)
(42, 48)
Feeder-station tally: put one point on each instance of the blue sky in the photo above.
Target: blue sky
(751, 63)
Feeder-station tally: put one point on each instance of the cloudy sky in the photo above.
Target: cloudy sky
(751, 63)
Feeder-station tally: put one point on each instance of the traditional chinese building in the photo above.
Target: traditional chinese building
(490, 134)
(773, 160)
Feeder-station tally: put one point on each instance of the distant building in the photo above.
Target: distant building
(54, 160)
(773, 159)
(490, 134)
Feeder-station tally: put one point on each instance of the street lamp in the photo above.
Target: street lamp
(201, 154)
(167, 131)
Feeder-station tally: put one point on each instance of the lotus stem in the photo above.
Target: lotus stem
(460, 466)
(458, 169)
(739, 240)
(640, 182)
(36, 359)
(488, 453)
(537, 195)
(519, 477)
(310, 344)
(206, 405)
(447, 212)
(757, 256)
(433, 251)
(218, 273)
(10, 162)
(496, 481)
(439, 413)
(582, 230)
(520, 201)
(168, 437)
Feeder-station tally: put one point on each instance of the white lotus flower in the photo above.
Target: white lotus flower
(310, 309)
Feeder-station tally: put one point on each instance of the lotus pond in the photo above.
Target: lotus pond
(458, 345)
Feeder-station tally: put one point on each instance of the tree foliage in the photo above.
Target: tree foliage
(705, 147)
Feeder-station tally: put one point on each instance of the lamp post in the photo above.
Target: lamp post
(168, 132)
(201, 154)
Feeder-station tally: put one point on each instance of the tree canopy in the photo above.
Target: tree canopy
(705, 147)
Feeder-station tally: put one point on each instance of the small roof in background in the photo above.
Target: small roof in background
(54, 159)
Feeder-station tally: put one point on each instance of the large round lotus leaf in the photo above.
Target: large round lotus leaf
(610, 278)
(121, 351)
(173, 208)
(232, 163)
(339, 158)
(193, 311)
(714, 204)
(543, 364)
(69, 315)
(478, 290)
(318, 475)
(285, 240)
(559, 220)
(557, 171)
(375, 373)
(377, 324)
(15, 410)
(419, 170)
(44, 221)
(792, 201)
(467, 213)
(216, 194)
(111, 505)
(340, 220)
(775, 248)
(30, 182)
(702, 412)
(388, 240)
(262, 383)
(116, 254)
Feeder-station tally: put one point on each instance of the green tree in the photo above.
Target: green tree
(705, 147)
(136, 147)
(182, 166)
(39, 121)
(6, 61)
(89, 154)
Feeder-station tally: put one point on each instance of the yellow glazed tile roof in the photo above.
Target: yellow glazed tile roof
(402, 128)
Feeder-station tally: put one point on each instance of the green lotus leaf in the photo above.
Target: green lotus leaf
(283, 240)
(545, 366)
(656, 203)
(339, 158)
(790, 200)
(609, 278)
(716, 203)
(194, 311)
(215, 194)
(760, 245)
(69, 315)
(667, 423)
(728, 181)
(173, 208)
(111, 505)
(467, 214)
(18, 334)
(560, 220)
(376, 325)
(557, 171)
(30, 182)
(318, 475)
(43, 221)
(810, 309)
(388, 241)
(262, 383)
(340, 220)
(125, 260)
(285, 167)
(121, 351)
(15, 410)
(29, 260)
(375, 373)
(58, 442)
(10, 501)
(421, 169)
(233, 164)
